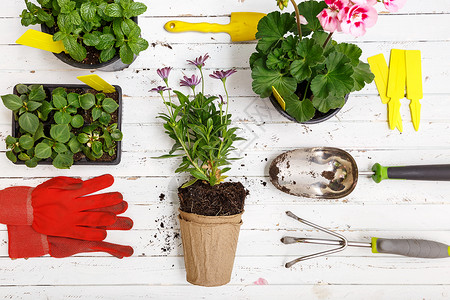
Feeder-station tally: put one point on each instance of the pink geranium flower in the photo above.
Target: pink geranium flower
(330, 18)
(365, 2)
(393, 5)
(357, 18)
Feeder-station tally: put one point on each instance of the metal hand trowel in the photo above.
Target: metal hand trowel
(242, 26)
(332, 173)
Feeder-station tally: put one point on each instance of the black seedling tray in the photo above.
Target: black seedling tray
(85, 89)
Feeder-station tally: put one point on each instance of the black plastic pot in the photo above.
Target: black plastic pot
(318, 118)
(84, 161)
(115, 64)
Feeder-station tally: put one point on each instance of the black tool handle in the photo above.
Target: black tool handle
(426, 172)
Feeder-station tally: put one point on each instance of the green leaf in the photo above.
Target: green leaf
(272, 28)
(73, 100)
(330, 102)
(64, 24)
(22, 89)
(87, 101)
(114, 10)
(26, 142)
(88, 11)
(126, 55)
(60, 133)
(63, 160)
(62, 117)
(302, 111)
(127, 26)
(39, 132)
(45, 109)
(311, 54)
(107, 54)
(96, 147)
(352, 51)
(60, 91)
(362, 75)
(29, 122)
(12, 102)
(76, 51)
(136, 9)
(74, 145)
(77, 121)
(109, 105)
(90, 39)
(66, 6)
(96, 113)
(59, 101)
(137, 45)
(32, 163)
(37, 93)
(59, 36)
(60, 148)
(338, 79)
(105, 118)
(289, 46)
(83, 138)
(27, 19)
(264, 79)
(198, 174)
(116, 135)
(189, 183)
(310, 9)
(11, 156)
(23, 156)
(33, 105)
(125, 3)
(74, 17)
(43, 16)
(43, 151)
(105, 41)
(10, 140)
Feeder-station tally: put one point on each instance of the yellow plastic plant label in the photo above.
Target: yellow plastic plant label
(41, 40)
(279, 98)
(97, 83)
(396, 86)
(414, 90)
(379, 68)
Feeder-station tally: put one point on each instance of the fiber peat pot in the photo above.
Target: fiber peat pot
(79, 158)
(210, 221)
(91, 62)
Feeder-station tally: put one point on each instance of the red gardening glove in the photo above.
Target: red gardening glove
(24, 241)
(57, 207)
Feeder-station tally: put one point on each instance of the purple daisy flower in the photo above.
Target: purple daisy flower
(199, 61)
(190, 82)
(164, 72)
(221, 100)
(222, 74)
(160, 89)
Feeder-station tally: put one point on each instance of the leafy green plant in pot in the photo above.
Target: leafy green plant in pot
(97, 34)
(297, 56)
(210, 209)
(63, 125)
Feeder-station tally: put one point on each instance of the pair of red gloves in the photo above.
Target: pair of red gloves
(60, 218)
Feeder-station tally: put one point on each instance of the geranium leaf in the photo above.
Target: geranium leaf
(301, 110)
(352, 51)
(362, 75)
(311, 54)
(338, 79)
(264, 79)
(330, 102)
(272, 28)
(310, 9)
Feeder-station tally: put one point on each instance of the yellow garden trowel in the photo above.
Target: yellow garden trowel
(41, 40)
(242, 26)
(396, 87)
(414, 84)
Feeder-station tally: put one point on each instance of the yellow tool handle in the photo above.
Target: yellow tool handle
(180, 26)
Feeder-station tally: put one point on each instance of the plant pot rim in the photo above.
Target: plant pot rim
(84, 161)
(210, 217)
(114, 64)
(331, 113)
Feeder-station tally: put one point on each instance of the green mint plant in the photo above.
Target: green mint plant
(65, 131)
(103, 24)
(300, 60)
(199, 125)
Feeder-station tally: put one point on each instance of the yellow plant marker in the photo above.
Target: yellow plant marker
(41, 40)
(414, 90)
(396, 87)
(379, 68)
(279, 98)
(97, 83)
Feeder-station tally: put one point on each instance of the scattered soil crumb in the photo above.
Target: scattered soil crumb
(162, 197)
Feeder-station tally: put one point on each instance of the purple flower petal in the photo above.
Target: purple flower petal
(164, 72)
(222, 74)
(191, 82)
(199, 61)
(160, 89)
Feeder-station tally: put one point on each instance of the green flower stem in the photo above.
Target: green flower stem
(203, 81)
(187, 152)
(169, 110)
(297, 15)
(306, 89)
(327, 40)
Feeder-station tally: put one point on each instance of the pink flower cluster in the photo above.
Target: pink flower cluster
(353, 16)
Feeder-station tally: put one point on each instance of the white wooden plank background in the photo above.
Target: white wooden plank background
(392, 209)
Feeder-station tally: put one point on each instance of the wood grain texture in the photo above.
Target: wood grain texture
(391, 209)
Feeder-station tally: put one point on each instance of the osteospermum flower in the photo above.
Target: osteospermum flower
(357, 18)
(164, 73)
(160, 89)
(222, 75)
(191, 82)
(199, 61)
